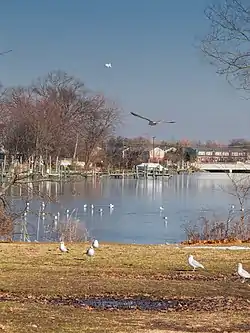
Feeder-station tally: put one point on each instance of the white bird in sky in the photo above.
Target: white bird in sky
(242, 273)
(195, 264)
(90, 251)
(108, 65)
(95, 243)
(153, 122)
(63, 248)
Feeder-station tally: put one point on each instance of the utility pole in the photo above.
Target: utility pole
(153, 138)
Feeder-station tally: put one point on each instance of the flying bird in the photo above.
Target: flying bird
(153, 122)
(5, 52)
(109, 65)
(195, 264)
(242, 273)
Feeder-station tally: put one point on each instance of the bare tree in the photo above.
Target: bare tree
(227, 44)
(56, 116)
(240, 189)
(99, 119)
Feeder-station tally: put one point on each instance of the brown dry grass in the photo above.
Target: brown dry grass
(41, 270)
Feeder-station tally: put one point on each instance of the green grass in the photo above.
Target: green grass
(41, 271)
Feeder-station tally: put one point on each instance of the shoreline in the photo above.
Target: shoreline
(217, 245)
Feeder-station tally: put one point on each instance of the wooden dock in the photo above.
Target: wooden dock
(135, 175)
(122, 175)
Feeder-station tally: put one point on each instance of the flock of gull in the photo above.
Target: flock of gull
(90, 251)
(191, 261)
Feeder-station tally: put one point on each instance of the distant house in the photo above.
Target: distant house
(156, 155)
(222, 154)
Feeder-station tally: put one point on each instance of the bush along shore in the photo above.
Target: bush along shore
(122, 288)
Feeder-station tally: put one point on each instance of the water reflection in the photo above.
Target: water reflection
(136, 215)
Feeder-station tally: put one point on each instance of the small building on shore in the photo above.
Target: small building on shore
(222, 155)
(151, 170)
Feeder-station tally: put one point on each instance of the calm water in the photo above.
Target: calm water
(136, 217)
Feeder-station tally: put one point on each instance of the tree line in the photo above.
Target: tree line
(56, 116)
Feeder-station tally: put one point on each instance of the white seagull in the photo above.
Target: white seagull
(90, 251)
(153, 122)
(95, 244)
(109, 65)
(63, 248)
(195, 264)
(242, 273)
(161, 209)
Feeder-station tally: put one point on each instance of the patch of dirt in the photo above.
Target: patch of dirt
(177, 275)
(210, 304)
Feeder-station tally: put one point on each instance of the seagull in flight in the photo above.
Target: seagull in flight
(109, 65)
(153, 122)
(5, 52)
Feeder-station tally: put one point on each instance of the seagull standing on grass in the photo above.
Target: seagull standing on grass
(195, 264)
(242, 273)
(95, 244)
(90, 251)
(63, 248)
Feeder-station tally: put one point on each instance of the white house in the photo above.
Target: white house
(156, 154)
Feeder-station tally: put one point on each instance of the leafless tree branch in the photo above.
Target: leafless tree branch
(227, 43)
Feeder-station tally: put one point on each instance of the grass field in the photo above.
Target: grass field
(33, 277)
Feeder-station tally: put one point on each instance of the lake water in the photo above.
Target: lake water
(136, 217)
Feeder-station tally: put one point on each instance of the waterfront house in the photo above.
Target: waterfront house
(156, 155)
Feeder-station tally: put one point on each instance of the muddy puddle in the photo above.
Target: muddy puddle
(122, 304)
(139, 303)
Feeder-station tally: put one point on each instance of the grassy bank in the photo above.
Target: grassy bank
(32, 275)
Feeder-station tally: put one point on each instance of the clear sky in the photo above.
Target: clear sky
(156, 71)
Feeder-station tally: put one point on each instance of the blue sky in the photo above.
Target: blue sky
(156, 71)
